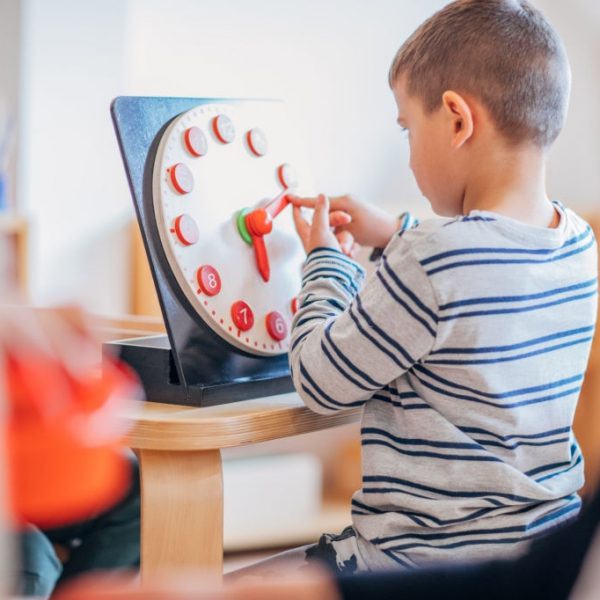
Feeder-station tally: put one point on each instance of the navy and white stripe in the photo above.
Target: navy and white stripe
(467, 348)
(474, 256)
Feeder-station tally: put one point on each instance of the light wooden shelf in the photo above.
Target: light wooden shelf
(16, 229)
(143, 298)
(12, 223)
(125, 326)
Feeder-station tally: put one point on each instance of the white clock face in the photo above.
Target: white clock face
(239, 270)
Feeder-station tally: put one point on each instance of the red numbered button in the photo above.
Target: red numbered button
(294, 305)
(195, 141)
(287, 176)
(181, 178)
(242, 315)
(224, 129)
(257, 142)
(209, 280)
(276, 326)
(186, 230)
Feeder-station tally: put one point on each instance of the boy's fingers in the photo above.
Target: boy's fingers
(335, 203)
(321, 216)
(337, 218)
(302, 226)
(305, 202)
(346, 240)
(341, 203)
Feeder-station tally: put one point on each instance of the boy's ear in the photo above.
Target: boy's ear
(459, 112)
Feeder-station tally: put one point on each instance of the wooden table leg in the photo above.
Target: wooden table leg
(182, 511)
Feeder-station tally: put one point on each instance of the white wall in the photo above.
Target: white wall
(328, 59)
(71, 177)
(574, 163)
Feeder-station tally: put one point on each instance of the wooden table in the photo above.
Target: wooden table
(181, 472)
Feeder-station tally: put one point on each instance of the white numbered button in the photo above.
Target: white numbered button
(287, 176)
(209, 280)
(242, 315)
(276, 326)
(257, 142)
(195, 141)
(224, 129)
(181, 178)
(186, 230)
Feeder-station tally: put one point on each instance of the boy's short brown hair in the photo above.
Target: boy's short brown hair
(504, 52)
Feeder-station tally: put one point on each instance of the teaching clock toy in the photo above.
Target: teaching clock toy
(210, 180)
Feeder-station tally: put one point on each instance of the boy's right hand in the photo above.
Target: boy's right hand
(369, 226)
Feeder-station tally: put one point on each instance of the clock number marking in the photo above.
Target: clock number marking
(242, 315)
(195, 141)
(181, 178)
(209, 280)
(287, 176)
(276, 326)
(257, 142)
(186, 230)
(223, 129)
(294, 305)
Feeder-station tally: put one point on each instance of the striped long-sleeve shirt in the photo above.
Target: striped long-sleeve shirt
(467, 350)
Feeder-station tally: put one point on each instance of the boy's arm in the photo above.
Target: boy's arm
(346, 344)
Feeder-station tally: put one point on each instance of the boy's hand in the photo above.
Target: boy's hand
(369, 226)
(320, 233)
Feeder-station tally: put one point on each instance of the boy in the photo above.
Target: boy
(468, 346)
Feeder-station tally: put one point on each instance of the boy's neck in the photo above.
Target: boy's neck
(511, 182)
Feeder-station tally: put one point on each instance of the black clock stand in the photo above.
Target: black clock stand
(191, 365)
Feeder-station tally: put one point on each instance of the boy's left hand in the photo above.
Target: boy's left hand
(319, 234)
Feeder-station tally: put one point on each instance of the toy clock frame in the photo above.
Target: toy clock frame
(194, 364)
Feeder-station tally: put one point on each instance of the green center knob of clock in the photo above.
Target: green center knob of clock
(257, 222)
(241, 225)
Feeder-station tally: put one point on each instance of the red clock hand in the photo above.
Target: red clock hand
(275, 206)
(262, 259)
(259, 223)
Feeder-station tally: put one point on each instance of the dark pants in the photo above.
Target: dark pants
(107, 541)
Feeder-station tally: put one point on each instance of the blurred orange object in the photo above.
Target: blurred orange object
(63, 436)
